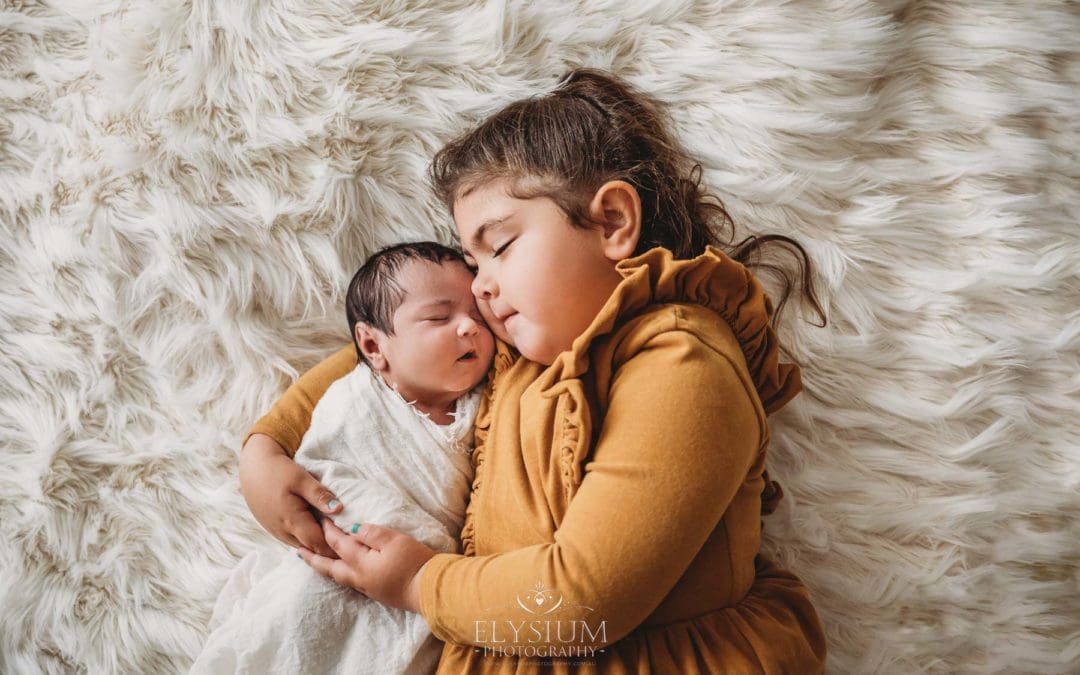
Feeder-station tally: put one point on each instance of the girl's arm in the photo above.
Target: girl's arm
(278, 490)
(290, 416)
(680, 435)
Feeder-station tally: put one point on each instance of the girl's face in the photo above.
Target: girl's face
(540, 281)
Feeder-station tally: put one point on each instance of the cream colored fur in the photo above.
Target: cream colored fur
(186, 187)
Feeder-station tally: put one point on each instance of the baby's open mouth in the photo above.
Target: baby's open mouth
(469, 356)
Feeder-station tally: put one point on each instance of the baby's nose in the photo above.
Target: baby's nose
(468, 326)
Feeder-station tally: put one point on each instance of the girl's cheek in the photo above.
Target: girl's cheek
(499, 331)
(493, 326)
(485, 311)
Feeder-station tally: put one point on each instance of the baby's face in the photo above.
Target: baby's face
(440, 343)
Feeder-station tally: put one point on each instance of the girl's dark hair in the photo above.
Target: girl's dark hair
(591, 129)
(374, 292)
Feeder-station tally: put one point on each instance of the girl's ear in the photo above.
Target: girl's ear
(618, 206)
(367, 338)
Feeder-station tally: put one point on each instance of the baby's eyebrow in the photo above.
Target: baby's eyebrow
(436, 303)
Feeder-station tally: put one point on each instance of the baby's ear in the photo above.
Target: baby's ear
(367, 338)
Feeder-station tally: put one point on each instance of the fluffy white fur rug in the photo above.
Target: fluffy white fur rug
(186, 187)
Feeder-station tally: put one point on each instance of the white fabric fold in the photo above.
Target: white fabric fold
(389, 464)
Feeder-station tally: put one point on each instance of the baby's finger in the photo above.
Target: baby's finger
(310, 536)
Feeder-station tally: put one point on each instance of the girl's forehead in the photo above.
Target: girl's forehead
(483, 202)
(478, 223)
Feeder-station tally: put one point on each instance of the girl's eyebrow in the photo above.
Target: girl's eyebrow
(485, 227)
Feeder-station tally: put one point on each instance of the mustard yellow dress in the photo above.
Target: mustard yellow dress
(614, 523)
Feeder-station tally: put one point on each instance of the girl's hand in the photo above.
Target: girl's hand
(381, 563)
(279, 492)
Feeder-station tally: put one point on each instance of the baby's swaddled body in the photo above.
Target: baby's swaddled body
(389, 464)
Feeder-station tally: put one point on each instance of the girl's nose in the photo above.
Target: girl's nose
(483, 287)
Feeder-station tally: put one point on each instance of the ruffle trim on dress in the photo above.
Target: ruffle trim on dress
(714, 280)
(504, 358)
(570, 447)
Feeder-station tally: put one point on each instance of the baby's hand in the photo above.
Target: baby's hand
(279, 491)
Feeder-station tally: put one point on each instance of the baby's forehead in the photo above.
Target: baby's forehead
(425, 279)
(421, 269)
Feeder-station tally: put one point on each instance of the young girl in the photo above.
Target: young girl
(614, 523)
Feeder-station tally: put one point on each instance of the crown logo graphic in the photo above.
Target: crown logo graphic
(540, 600)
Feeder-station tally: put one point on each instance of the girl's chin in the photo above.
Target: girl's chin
(525, 349)
(503, 335)
(540, 356)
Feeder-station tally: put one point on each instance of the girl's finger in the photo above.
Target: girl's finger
(374, 536)
(308, 534)
(314, 493)
(338, 569)
(344, 545)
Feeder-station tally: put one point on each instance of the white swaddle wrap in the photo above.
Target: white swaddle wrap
(389, 464)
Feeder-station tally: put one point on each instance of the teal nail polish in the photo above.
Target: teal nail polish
(355, 528)
(333, 504)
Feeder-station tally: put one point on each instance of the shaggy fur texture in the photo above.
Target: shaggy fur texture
(186, 187)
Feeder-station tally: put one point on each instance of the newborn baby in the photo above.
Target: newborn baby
(391, 439)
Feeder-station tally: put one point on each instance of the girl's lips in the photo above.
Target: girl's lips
(506, 321)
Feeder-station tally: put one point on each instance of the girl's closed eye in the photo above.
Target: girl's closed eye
(502, 248)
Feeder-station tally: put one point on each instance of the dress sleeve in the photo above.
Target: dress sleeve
(679, 437)
(290, 416)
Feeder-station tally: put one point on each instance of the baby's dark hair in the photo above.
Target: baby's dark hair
(374, 293)
(594, 128)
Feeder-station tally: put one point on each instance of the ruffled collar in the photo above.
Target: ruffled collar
(713, 280)
(505, 355)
